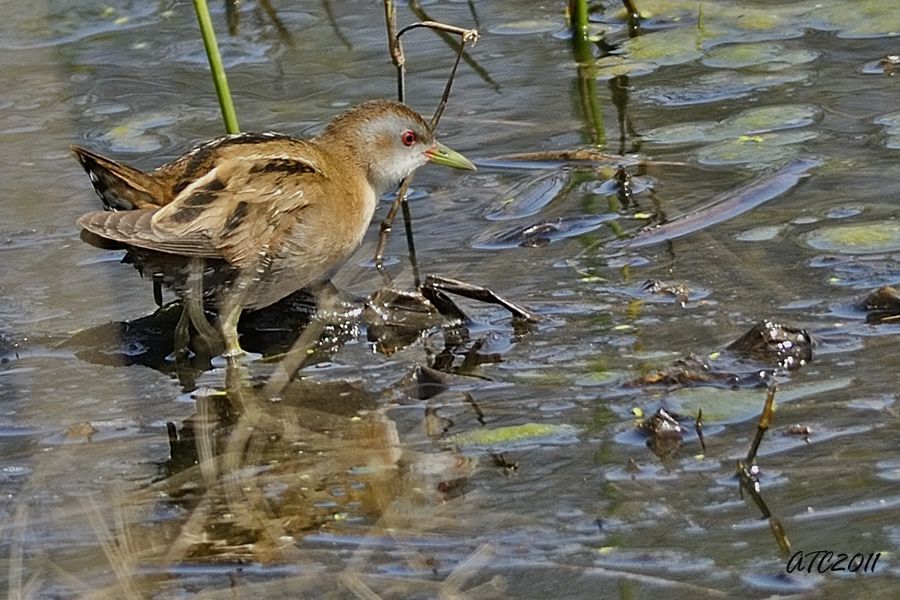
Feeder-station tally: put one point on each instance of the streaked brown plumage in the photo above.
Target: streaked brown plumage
(275, 212)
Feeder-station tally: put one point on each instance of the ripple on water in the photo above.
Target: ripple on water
(38, 25)
(526, 27)
(891, 125)
(782, 583)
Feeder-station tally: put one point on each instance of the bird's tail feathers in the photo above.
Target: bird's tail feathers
(119, 186)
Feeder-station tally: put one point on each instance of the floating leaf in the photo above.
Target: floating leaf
(683, 31)
(886, 65)
(726, 206)
(874, 238)
(720, 15)
(845, 211)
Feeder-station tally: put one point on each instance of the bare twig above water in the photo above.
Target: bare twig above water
(748, 472)
(398, 58)
(448, 37)
(481, 294)
(633, 17)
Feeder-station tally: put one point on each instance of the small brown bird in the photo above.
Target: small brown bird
(268, 213)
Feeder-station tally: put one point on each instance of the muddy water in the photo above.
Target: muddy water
(349, 479)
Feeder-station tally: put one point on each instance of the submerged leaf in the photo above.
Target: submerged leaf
(769, 57)
(873, 238)
(857, 19)
(528, 197)
(132, 136)
(773, 118)
(727, 205)
(525, 27)
(725, 406)
(667, 47)
(749, 122)
(719, 86)
(541, 234)
(514, 434)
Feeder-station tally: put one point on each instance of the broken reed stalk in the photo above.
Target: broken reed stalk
(748, 472)
(215, 65)
(395, 49)
(634, 18)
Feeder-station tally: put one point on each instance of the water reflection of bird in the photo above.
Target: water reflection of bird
(272, 212)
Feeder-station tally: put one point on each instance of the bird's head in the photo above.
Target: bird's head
(390, 141)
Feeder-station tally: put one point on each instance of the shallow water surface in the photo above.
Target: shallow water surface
(496, 459)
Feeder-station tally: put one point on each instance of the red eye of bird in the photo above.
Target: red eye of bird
(408, 138)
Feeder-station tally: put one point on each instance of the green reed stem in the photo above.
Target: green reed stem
(578, 12)
(215, 65)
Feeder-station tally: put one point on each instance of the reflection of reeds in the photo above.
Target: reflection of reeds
(118, 549)
(233, 19)
(587, 77)
(15, 533)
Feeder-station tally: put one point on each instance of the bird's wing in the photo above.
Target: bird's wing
(239, 210)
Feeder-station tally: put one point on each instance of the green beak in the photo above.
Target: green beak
(440, 154)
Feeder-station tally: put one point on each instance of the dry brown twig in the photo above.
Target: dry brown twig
(395, 48)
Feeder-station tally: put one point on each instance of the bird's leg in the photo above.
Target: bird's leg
(182, 333)
(208, 340)
(231, 304)
(229, 333)
(229, 315)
